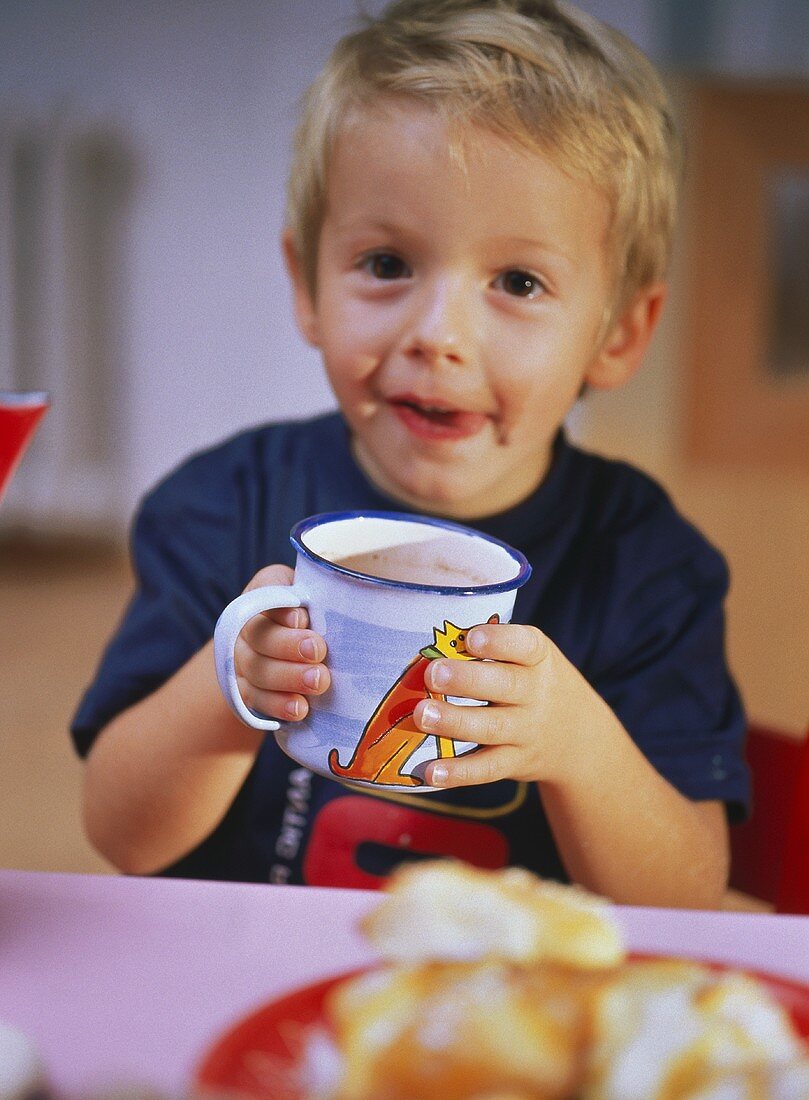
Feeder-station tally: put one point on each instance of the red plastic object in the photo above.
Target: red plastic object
(770, 851)
(793, 893)
(19, 415)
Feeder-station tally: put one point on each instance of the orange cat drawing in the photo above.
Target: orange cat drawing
(391, 736)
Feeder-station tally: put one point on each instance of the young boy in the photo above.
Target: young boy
(480, 214)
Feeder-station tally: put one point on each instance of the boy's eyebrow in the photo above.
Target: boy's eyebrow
(381, 226)
(532, 243)
(362, 224)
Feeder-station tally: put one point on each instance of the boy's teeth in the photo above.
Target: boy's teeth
(430, 410)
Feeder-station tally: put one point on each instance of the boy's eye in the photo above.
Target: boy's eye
(384, 265)
(521, 284)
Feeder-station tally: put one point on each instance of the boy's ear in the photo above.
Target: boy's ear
(628, 337)
(305, 312)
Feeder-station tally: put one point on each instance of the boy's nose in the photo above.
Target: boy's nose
(441, 332)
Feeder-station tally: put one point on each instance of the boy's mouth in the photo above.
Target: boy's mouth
(435, 420)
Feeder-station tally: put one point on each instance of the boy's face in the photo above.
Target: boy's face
(458, 311)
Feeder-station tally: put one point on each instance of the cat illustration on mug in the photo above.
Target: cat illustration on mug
(390, 736)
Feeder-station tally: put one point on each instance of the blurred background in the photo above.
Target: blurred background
(144, 147)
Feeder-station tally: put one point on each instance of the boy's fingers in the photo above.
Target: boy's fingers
(486, 725)
(295, 617)
(285, 706)
(271, 574)
(486, 765)
(283, 676)
(283, 644)
(492, 681)
(511, 642)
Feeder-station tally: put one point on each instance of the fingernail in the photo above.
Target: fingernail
(294, 708)
(430, 716)
(439, 674)
(308, 649)
(475, 639)
(312, 677)
(295, 618)
(440, 775)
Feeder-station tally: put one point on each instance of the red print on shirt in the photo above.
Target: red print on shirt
(353, 831)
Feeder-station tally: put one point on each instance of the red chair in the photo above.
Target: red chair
(770, 851)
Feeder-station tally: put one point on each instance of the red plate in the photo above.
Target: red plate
(260, 1056)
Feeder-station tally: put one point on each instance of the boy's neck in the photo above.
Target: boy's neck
(460, 510)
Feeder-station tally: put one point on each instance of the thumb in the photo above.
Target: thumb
(271, 574)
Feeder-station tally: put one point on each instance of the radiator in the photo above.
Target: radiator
(64, 193)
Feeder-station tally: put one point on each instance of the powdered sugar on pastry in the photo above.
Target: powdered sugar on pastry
(446, 910)
(666, 1030)
(498, 986)
(461, 1030)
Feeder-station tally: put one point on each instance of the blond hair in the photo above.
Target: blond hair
(537, 72)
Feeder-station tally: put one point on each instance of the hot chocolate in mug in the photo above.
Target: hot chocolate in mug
(389, 592)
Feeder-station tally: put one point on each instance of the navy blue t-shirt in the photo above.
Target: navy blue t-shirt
(628, 590)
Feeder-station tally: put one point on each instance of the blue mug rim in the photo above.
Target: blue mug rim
(308, 524)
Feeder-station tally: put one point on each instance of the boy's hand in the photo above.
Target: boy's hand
(278, 660)
(539, 703)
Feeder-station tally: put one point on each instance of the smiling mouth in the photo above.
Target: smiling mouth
(436, 421)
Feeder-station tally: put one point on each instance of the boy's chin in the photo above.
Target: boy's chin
(449, 501)
(437, 490)
(435, 497)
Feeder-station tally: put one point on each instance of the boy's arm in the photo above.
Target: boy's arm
(624, 831)
(162, 774)
(621, 828)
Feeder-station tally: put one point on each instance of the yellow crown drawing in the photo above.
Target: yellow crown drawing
(451, 641)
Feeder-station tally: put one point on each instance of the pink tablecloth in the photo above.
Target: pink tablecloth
(123, 981)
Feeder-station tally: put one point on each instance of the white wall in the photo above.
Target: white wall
(203, 97)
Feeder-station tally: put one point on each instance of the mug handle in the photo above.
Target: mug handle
(228, 627)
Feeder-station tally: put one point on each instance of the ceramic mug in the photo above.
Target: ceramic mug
(389, 592)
